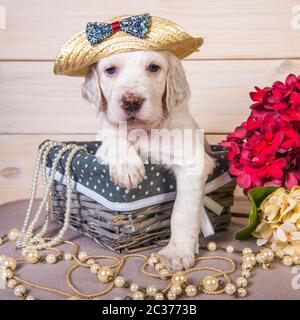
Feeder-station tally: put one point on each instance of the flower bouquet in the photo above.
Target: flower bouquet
(265, 149)
(280, 221)
(264, 155)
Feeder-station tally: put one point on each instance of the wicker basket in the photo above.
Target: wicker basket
(130, 225)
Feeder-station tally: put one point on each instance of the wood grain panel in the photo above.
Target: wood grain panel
(17, 159)
(231, 28)
(33, 100)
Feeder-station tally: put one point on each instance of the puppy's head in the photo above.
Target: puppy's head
(139, 87)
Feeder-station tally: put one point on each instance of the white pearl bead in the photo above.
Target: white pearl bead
(119, 282)
(247, 266)
(158, 296)
(179, 278)
(32, 256)
(266, 265)
(176, 288)
(82, 255)
(134, 287)
(25, 251)
(151, 290)
(2, 258)
(287, 261)
(152, 261)
(90, 262)
(241, 282)
(229, 249)
(246, 274)
(8, 274)
(246, 251)
(138, 295)
(296, 259)
(13, 234)
(159, 266)
(242, 292)
(50, 258)
(261, 258)
(269, 254)
(279, 253)
(11, 283)
(230, 288)
(171, 295)
(94, 268)
(191, 290)
(19, 291)
(10, 263)
(30, 297)
(164, 273)
(210, 283)
(211, 246)
(249, 258)
(68, 256)
(105, 274)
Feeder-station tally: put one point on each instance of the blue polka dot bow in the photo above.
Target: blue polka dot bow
(136, 26)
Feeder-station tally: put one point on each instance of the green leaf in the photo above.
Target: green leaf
(256, 197)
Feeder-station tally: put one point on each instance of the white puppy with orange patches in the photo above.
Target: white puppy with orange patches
(148, 90)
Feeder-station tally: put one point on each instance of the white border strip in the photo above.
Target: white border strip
(217, 182)
(142, 203)
(213, 205)
(117, 206)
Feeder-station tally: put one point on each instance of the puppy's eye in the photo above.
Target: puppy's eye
(153, 68)
(110, 70)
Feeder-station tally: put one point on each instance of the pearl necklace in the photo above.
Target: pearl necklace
(178, 285)
(27, 239)
(153, 266)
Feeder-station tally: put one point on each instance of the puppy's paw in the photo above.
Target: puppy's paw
(128, 175)
(179, 255)
(103, 153)
(126, 168)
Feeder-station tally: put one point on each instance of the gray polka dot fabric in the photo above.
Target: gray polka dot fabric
(92, 178)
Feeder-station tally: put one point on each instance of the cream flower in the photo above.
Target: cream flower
(280, 221)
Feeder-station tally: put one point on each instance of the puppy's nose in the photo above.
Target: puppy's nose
(131, 102)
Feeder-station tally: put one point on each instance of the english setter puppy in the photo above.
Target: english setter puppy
(148, 90)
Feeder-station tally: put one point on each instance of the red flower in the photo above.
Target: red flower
(265, 149)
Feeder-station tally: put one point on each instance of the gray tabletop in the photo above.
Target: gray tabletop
(264, 284)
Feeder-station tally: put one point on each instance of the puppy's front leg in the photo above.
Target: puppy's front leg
(186, 218)
(184, 222)
(125, 164)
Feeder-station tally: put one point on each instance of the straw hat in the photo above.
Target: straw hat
(81, 51)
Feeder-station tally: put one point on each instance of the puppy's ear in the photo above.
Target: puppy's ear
(177, 87)
(91, 90)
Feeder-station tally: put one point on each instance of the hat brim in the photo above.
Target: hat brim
(77, 55)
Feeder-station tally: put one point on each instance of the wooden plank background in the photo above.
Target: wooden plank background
(219, 100)
(247, 43)
(232, 29)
